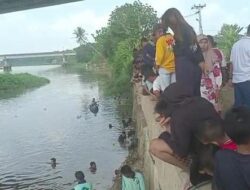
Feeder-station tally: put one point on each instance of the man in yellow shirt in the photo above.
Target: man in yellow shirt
(164, 57)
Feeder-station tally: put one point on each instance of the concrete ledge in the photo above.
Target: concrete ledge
(158, 174)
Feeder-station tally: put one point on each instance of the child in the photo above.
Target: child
(152, 83)
(232, 168)
(212, 131)
(93, 167)
(53, 163)
(131, 180)
(82, 184)
(164, 57)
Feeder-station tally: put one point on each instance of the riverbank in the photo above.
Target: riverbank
(15, 84)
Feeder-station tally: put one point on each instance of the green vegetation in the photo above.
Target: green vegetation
(127, 25)
(227, 36)
(13, 84)
(115, 42)
(84, 53)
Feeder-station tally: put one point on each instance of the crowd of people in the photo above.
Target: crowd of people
(184, 73)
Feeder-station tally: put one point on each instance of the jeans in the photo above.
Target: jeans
(242, 94)
(166, 78)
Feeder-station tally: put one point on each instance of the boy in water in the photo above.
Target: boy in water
(53, 163)
(131, 180)
(82, 184)
(93, 167)
(232, 168)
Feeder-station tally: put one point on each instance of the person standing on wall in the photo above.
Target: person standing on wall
(189, 61)
(164, 56)
(240, 71)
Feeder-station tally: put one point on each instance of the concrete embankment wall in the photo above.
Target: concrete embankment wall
(158, 175)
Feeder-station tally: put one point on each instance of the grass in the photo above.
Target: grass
(12, 85)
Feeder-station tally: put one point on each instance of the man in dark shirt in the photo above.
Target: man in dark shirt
(232, 168)
(183, 112)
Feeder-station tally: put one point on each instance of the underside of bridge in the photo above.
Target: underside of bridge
(7, 6)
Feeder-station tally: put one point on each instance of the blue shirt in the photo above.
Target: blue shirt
(148, 57)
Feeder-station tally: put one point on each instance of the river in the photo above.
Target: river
(54, 121)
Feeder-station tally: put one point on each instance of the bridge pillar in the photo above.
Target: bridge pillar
(6, 66)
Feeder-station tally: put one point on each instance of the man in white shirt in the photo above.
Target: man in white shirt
(240, 58)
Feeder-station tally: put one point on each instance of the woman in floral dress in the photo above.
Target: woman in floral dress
(212, 81)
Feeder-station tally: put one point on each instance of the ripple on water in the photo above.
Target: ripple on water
(46, 126)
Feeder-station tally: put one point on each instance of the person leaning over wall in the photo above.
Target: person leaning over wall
(179, 112)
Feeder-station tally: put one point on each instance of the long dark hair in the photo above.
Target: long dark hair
(181, 24)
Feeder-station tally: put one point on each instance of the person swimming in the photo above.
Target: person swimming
(122, 137)
(82, 184)
(53, 163)
(111, 126)
(92, 167)
(93, 102)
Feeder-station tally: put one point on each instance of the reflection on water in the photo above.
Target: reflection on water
(54, 121)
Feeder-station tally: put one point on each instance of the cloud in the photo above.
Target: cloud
(49, 29)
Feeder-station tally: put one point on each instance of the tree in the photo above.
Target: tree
(227, 36)
(126, 26)
(84, 53)
(80, 35)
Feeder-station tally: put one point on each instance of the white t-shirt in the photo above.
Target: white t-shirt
(157, 84)
(240, 58)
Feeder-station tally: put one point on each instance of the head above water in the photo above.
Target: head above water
(80, 176)
(210, 131)
(92, 164)
(53, 160)
(127, 171)
(237, 125)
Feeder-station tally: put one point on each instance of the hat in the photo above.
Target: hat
(201, 37)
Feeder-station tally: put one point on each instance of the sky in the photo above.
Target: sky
(51, 28)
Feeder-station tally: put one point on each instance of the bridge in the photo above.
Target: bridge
(42, 58)
(7, 6)
(33, 55)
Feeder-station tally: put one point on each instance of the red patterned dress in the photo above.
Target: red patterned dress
(211, 83)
